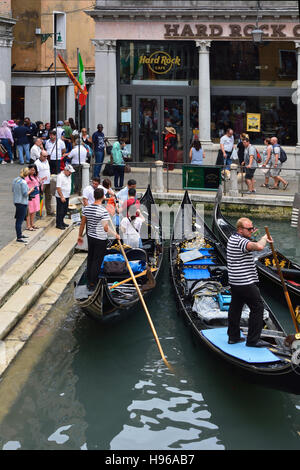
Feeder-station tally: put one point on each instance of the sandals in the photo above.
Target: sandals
(273, 187)
(285, 186)
(264, 185)
(30, 229)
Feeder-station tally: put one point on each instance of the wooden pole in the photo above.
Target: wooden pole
(129, 278)
(287, 296)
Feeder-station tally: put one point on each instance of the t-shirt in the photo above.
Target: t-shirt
(275, 150)
(95, 216)
(130, 206)
(43, 169)
(131, 234)
(250, 150)
(88, 193)
(74, 154)
(240, 262)
(228, 142)
(64, 183)
(35, 152)
(98, 141)
(50, 147)
(59, 132)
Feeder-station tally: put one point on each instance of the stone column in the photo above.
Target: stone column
(6, 41)
(233, 191)
(296, 101)
(204, 91)
(38, 102)
(104, 109)
(85, 175)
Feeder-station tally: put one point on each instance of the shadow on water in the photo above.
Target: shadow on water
(107, 388)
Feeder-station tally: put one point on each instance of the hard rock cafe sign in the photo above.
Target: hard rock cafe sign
(279, 31)
(160, 62)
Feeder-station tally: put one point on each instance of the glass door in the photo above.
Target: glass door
(148, 148)
(157, 118)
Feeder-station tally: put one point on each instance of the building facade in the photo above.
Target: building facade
(44, 29)
(6, 41)
(193, 65)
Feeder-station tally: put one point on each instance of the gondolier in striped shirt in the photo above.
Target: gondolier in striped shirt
(97, 220)
(243, 280)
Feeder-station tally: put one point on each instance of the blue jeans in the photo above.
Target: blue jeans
(99, 157)
(7, 144)
(227, 161)
(21, 210)
(21, 149)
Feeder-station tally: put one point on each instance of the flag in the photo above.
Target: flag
(41, 203)
(81, 79)
(72, 77)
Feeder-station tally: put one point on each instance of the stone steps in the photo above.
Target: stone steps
(31, 273)
(16, 269)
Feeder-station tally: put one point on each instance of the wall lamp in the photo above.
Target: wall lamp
(257, 32)
(45, 36)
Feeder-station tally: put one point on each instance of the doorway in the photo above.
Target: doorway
(153, 115)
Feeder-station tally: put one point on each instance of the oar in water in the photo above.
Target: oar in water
(145, 307)
(287, 296)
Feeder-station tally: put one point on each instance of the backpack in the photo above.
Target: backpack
(258, 156)
(282, 154)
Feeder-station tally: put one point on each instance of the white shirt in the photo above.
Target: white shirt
(35, 152)
(59, 132)
(131, 233)
(43, 169)
(88, 193)
(123, 194)
(74, 154)
(51, 148)
(228, 142)
(64, 183)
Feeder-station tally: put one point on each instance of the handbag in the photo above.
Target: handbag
(108, 149)
(114, 267)
(127, 168)
(108, 170)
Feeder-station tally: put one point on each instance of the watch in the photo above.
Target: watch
(297, 336)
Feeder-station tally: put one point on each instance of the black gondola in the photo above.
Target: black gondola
(199, 275)
(265, 262)
(108, 302)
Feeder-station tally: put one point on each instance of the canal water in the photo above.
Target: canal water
(78, 386)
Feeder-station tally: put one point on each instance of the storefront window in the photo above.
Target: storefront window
(158, 64)
(125, 123)
(253, 82)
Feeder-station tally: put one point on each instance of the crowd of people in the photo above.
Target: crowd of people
(249, 159)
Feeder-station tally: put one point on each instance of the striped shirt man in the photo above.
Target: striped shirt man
(241, 265)
(95, 216)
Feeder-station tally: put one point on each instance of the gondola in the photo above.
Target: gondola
(264, 259)
(200, 279)
(115, 293)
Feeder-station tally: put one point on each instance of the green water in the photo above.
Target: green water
(77, 386)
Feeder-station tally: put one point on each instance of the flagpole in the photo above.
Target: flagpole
(55, 99)
(78, 111)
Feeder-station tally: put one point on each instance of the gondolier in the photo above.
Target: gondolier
(97, 219)
(243, 279)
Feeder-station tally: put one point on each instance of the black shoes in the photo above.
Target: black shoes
(234, 341)
(259, 344)
(61, 228)
(20, 240)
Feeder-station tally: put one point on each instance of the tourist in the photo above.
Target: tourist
(33, 182)
(99, 143)
(123, 194)
(243, 280)
(87, 143)
(88, 191)
(43, 169)
(196, 153)
(170, 147)
(97, 220)
(6, 139)
(55, 150)
(106, 186)
(21, 192)
(31, 130)
(227, 146)
(67, 135)
(59, 129)
(131, 228)
(267, 162)
(77, 156)
(20, 134)
(250, 163)
(131, 205)
(277, 165)
(45, 133)
(36, 149)
(62, 194)
(118, 165)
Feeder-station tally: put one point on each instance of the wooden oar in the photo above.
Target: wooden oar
(287, 296)
(129, 278)
(145, 307)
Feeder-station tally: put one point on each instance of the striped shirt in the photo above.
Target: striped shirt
(240, 262)
(95, 216)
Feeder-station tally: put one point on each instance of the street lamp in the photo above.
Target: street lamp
(257, 32)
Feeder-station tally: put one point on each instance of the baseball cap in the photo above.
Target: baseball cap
(69, 168)
(60, 123)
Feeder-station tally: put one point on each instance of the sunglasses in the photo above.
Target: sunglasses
(249, 228)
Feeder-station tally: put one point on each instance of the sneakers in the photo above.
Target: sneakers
(259, 344)
(20, 240)
(12, 162)
(234, 341)
(3, 163)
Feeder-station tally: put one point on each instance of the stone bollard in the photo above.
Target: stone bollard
(52, 191)
(233, 180)
(85, 175)
(159, 176)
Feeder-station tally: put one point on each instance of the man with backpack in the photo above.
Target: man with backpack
(250, 163)
(278, 157)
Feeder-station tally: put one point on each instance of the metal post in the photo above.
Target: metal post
(55, 99)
